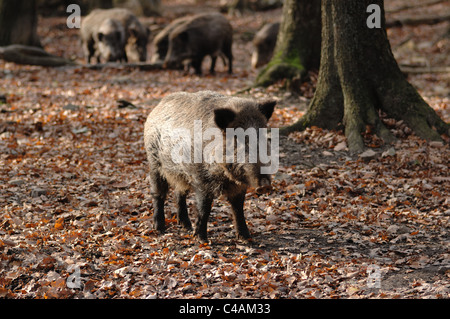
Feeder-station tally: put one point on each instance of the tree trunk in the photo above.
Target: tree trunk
(18, 22)
(359, 77)
(298, 43)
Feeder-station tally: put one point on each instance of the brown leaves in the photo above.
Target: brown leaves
(75, 203)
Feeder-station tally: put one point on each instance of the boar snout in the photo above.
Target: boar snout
(264, 186)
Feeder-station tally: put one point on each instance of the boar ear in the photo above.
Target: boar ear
(223, 117)
(266, 107)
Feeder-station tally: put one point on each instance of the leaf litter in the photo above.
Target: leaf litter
(74, 196)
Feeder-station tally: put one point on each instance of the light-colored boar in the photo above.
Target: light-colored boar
(136, 36)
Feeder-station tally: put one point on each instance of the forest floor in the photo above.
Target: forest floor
(75, 201)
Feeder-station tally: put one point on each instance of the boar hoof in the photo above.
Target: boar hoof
(245, 239)
(160, 230)
(244, 235)
(186, 224)
(264, 189)
(201, 238)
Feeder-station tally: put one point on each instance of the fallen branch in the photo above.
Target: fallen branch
(415, 6)
(417, 21)
(142, 66)
(23, 54)
(420, 69)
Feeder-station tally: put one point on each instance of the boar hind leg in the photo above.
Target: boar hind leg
(159, 189)
(183, 218)
(227, 51)
(204, 202)
(213, 65)
(237, 205)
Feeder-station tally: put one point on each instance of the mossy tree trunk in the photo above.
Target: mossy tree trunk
(359, 77)
(298, 43)
(18, 22)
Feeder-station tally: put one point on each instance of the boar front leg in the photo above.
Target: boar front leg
(159, 189)
(197, 65)
(237, 205)
(183, 217)
(204, 202)
(89, 49)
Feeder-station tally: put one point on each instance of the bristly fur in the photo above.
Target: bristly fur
(208, 180)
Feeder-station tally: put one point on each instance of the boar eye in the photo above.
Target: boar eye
(223, 117)
(100, 37)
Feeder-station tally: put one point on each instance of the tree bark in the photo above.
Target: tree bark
(298, 43)
(18, 23)
(359, 77)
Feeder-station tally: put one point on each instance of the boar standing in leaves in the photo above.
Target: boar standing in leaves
(201, 35)
(194, 112)
(264, 43)
(133, 47)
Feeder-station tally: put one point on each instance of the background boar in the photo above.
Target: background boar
(161, 40)
(136, 36)
(264, 43)
(202, 35)
(136, 45)
(110, 40)
(207, 179)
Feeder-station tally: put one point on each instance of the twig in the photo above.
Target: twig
(417, 21)
(414, 6)
(141, 66)
(418, 70)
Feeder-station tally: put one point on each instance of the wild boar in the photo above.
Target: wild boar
(201, 35)
(136, 36)
(107, 42)
(177, 138)
(136, 45)
(111, 41)
(161, 41)
(264, 43)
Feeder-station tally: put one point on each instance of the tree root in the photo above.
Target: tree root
(278, 71)
(358, 78)
(29, 55)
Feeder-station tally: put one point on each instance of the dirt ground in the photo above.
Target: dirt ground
(75, 202)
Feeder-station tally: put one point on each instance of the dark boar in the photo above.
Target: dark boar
(136, 36)
(201, 35)
(264, 43)
(175, 124)
(161, 41)
(136, 45)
